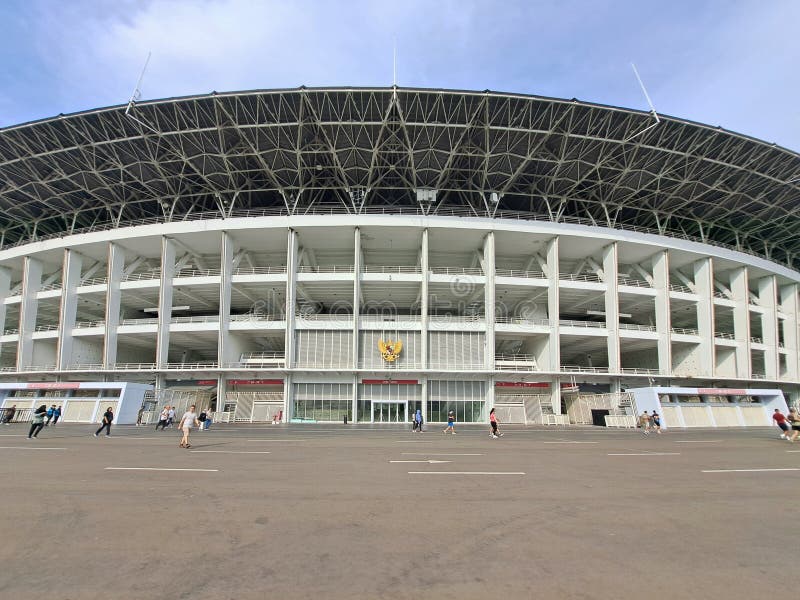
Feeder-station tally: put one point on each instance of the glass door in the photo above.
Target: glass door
(388, 412)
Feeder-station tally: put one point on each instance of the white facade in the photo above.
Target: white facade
(285, 314)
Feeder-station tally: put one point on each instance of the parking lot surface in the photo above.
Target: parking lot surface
(335, 511)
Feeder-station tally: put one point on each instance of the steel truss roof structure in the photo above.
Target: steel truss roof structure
(397, 150)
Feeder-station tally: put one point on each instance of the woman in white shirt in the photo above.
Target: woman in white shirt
(188, 421)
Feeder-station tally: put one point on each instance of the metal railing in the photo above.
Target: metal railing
(639, 371)
(151, 274)
(254, 317)
(196, 319)
(724, 335)
(192, 366)
(50, 286)
(50, 327)
(520, 273)
(630, 281)
(13, 331)
(676, 287)
(521, 321)
(582, 369)
(376, 210)
(197, 273)
(569, 323)
(590, 277)
(457, 318)
(89, 324)
(635, 327)
(146, 321)
(325, 269)
(456, 271)
(684, 331)
(274, 270)
(407, 269)
(134, 366)
(376, 317)
(756, 340)
(93, 281)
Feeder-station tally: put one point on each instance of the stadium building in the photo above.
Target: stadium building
(322, 254)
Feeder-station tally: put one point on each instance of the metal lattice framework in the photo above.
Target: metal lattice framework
(397, 150)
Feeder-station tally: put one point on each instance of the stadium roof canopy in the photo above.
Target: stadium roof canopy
(397, 150)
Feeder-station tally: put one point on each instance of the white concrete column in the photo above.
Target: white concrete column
(489, 299)
(288, 397)
(553, 314)
(611, 274)
(424, 392)
(222, 392)
(791, 310)
(70, 279)
(5, 289)
(357, 267)
(116, 267)
(424, 301)
(225, 354)
(31, 283)
(354, 399)
(663, 315)
(741, 321)
(768, 299)
(165, 301)
(704, 281)
(291, 296)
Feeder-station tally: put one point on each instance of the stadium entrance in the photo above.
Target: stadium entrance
(389, 412)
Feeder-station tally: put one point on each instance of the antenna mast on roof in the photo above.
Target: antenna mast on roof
(649, 102)
(137, 93)
(394, 62)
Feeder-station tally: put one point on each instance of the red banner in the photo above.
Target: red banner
(721, 392)
(53, 385)
(391, 381)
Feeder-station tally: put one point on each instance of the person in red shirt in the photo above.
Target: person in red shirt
(494, 434)
(780, 421)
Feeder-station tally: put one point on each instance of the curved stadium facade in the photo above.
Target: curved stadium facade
(317, 254)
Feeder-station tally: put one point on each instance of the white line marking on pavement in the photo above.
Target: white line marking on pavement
(746, 470)
(276, 441)
(570, 442)
(155, 469)
(413, 442)
(465, 473)
(12, 435)
(233, 451)
(792, 451)
(644, 453)
(27, 448)
(134, 437)
(437, 454)
(430, 462)
(696, 441)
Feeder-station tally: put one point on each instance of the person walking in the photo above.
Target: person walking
(451, 423)
(494, 421)
(108, 417)
(37, 424)
(418, 420)
(780, 421)
(209, 419)
(656, 422)
(644, 423)
(188, 421)
(50, 412)
(202, 420)
(56, 415)
(139, 415)
(9, 414)
(794, 420)
(162, 419)
(171, 416)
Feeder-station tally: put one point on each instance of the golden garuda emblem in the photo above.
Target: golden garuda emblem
(390, 350)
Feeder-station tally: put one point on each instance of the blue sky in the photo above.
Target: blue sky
(732, 63)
